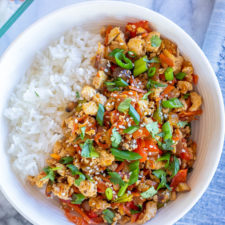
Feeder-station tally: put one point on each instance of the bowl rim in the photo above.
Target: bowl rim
(211, 72)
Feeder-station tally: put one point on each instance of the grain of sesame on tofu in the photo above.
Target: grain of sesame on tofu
(88, 188)
(98, 204)
(137, 45)
(100, 99)
(149, 47)
(61, 190)
(99, 79)
(90, 108)
(88, 92)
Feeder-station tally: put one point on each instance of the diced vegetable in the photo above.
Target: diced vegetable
(172, 103)
(149, 193)
(134, 114)
(125, 154)
(122, 189)
(155, 41)
(116, 178)
(180, 76)
(100, 114)
(124, 198)
(180, 177)
(115, 138)
(109, 193)
(169, 74)
(82, 135)
(124, 105)
(123, 61)
(140, 66)
(151, 71)
(130, 130)
(77, 199)
(167, 131)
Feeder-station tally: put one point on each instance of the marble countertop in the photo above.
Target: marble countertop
(192, 15)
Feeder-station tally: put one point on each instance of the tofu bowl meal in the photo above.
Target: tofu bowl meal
(108, 116)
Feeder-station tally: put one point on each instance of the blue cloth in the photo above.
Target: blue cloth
(210, 209)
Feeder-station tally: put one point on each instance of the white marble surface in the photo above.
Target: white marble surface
(192, 15)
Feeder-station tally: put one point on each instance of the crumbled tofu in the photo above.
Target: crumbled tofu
(100, 99)
(88, 188)
(99, 79)
(88, 92)
(196, 101)
(106, 159)
(137, 45)
(184, 86)
(90, 108)
(149, 47)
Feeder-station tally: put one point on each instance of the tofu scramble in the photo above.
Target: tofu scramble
(126, 149)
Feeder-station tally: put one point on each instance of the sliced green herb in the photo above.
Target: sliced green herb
(130, 130)
(172, 103)
(180, 76)
(145, 96)
(100, 114)
(108, 215)
(50, 174)
(116, 178)
(66, 160)
(167, 131)
(182, 124)
(122, 189)
(154, 84)
(36, 94)
(114, 51)
(152, 128)
(82, 135)
(125, 154)
(124, 105)
(88, 150)
(158, 114)
(134, 211)
(186, 96)
(122, 61)
(134, 114)
(151, 71)
(115, 138)
(124, 198)
(77, 199)
(109, 193)
(161, 174)
(153, 60)
(149, 193)
(155, 41)
(140, 66)
(166, 158)
(134, 169)
(174, 166)
(73, 169)
(80, 179)
(119, 82)
(77, 94)
(167, 145)
(169, 73)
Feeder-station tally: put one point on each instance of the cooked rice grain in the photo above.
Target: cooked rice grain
(37, 105)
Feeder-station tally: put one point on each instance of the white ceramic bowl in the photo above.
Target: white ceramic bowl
(208, 131)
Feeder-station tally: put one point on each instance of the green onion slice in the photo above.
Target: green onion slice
(134, 114)
(123, 61)
(151, 71)
(130, 130)
(109, 193)
(169, 74)
(125, 154)
(100, 114)
(140, 66)
(180, 76)
(172, 103)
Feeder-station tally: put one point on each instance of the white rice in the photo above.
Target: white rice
(37, 105)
